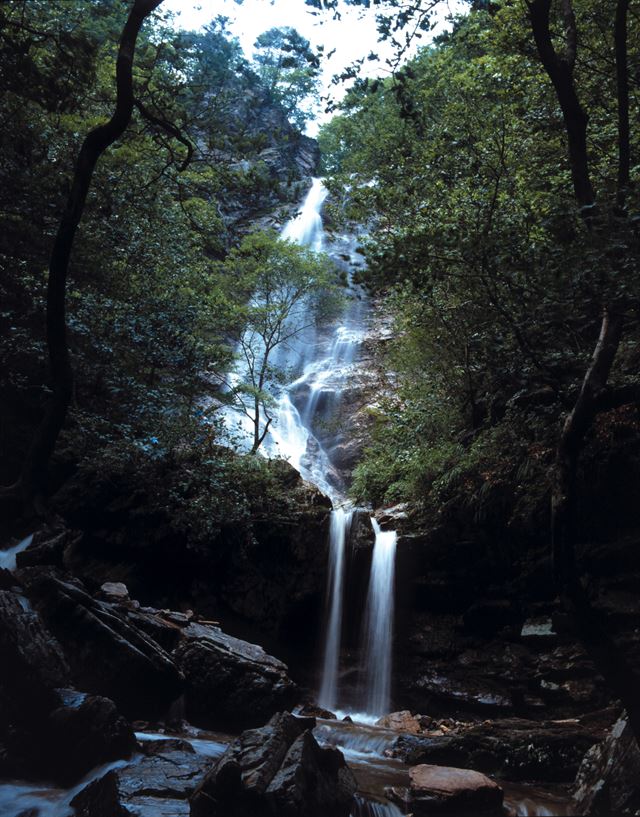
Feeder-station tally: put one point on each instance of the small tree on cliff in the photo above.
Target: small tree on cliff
(287, 288)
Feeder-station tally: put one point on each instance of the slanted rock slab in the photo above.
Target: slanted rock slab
(448, 790)
(230, 682)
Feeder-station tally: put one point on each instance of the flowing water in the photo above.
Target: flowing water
(321, 361)
(8, 557)
(379, 622)
(338, 532)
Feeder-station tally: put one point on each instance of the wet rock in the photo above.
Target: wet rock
(475, 695)
(447, 790)
(607, 780)
(311, 781)
(46, 548)
(86, 731)
(229, 682)
(394, 517)
(108, 656)
(277, 770)
(402, 721)
(154, 786)
(513, 748)
(311, 710)
(115, 592)
(539, 631)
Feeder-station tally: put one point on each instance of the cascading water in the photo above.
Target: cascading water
(340, 524)
(379, 622)
(322, 363)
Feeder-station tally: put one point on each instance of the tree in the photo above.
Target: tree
(289, 69)
(287, 288)
(34, 471)
(517, 240)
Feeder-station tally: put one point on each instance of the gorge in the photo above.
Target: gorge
(320, 455)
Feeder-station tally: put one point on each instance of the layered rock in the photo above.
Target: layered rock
(278, 770)
(608, 779)
(157, 784)
(446, 790)
(48, 729)
(512, 748)
(107, 655)
(229, 682)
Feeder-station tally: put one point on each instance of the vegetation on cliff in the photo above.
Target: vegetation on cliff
(209, 150)
(495, 278)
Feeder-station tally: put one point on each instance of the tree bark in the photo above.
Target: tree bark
(32, 480)
(593, 396)
(622, 85)
(560, 71)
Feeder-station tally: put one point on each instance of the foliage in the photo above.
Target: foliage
(167, 203)
(495, 281)
(282, 289)
(290, 70)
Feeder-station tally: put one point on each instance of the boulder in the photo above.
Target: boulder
(513, 748)
(86, 731)
(607, 780)
(228, 682)
(402, 721)
(447, 790)
(157, 785)
(277, 770)
(107, 654)
(32, 667)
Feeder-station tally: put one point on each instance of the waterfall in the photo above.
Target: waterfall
(322, 363)
(379, 622)
(340, 524)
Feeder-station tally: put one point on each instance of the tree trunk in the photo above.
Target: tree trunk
(32, 480)
(590, 625)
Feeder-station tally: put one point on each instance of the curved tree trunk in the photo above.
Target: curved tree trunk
(589, 624)
(32, 480)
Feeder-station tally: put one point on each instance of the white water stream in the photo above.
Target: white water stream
(325, 367)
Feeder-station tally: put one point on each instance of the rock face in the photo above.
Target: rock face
(278, 770)
(157, 785)
(512, 748)
(46, 728)
(108, 655)
(230, 682)
(271, 572)
(447, 790)
(608, 779)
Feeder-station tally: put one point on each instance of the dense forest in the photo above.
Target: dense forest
(369, 400)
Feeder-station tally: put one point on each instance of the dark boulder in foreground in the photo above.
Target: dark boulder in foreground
(155, 785)
(437, 790)
(230, 682)
(84, 732)
(47, 729)
(108, 655)
(278, 771)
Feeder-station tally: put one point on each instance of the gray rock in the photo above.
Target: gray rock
(278, 770)
(608, 778)
(448, 790)
(230, 682)
(108, 656)
(154, 786)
